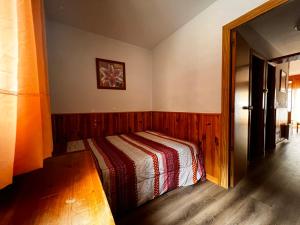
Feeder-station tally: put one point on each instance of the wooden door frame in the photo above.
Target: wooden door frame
(226, 81)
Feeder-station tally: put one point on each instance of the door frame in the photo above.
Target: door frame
(226, 84)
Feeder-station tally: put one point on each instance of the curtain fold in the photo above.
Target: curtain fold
(295, 97)
(8, 88)
(29, 140)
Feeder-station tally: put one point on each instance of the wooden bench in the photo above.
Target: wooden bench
(66, 191)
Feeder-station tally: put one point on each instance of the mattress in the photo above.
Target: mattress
(138, 167)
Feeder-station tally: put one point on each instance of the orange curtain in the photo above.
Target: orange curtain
(295, 97)
(25, 125)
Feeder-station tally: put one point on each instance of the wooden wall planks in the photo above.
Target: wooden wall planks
(201, 128)
(67, 127)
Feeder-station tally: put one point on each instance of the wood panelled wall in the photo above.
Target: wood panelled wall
(199, 128)
(202, 129)
(68, 127)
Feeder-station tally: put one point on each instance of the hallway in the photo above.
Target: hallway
(269, 195)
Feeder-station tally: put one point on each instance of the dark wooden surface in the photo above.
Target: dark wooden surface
(286, 58)
(67, 127)
(257, 118)
(67, 191)
(202, 129)
(271, 113)
(269, 195)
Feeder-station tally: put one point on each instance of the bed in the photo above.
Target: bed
(139, 167)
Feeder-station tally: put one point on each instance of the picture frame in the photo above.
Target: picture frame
(110, 74)
(283, 81)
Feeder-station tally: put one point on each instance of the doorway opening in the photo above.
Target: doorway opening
(226, 148)
(263, 100)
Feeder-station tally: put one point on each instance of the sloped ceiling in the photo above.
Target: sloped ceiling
(140, 22)
(277, 27)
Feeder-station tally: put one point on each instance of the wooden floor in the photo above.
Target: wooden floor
(269, 195)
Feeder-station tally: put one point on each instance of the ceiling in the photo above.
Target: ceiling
(140, 22)
(277, 27)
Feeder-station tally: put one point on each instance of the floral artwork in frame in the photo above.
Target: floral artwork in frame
(110, 74)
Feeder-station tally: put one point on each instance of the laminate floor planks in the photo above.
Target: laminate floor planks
(268, 195)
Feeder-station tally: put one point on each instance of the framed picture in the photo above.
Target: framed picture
(110, 74)
(283, 81)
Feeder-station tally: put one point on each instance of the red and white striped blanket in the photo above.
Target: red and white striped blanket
(138, 167)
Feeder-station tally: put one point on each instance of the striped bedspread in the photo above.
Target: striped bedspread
(138, 167)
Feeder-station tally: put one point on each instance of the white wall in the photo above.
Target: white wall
(72, 72)
(295, 67)
(185, 75)
(187, 65)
